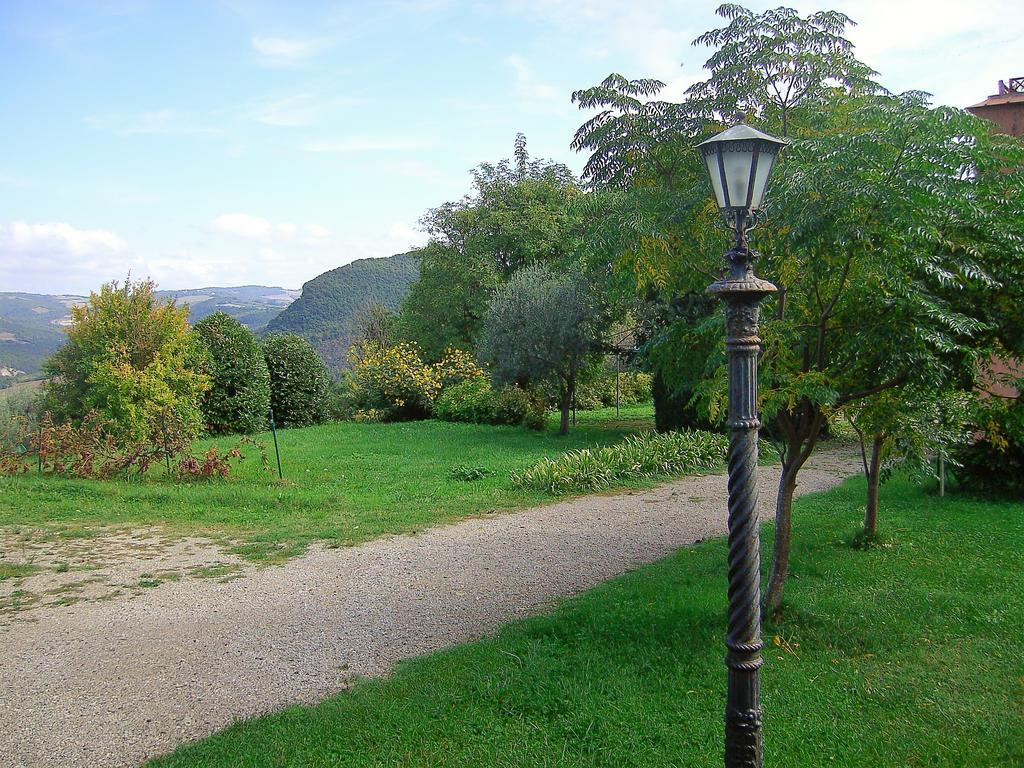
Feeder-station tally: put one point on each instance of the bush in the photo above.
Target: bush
(239, 396)
(994, 463)
(598, 390)
(470, 401)
(393, 380)
(457, 366)
(298, 380)
(645, 455)
(476, 402)
(131, 358)
(19, 415)
(91, 450)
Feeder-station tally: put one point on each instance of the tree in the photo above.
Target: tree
(542, 324)
(906, 427)
(131, 358)
(518, 213)
(298, 380)
(239, 395)
(884, 212)
(446, 306)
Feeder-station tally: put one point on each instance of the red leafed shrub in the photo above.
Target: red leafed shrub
(91, 450)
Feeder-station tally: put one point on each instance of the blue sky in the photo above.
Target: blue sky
(226, 142)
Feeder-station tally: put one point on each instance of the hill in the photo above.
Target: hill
(32, 324)
(324, 312)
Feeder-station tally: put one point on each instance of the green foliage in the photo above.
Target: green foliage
(993, 464)
(541, 324)
(131, 358)
(239, 396)
(468, 473)
(470, 401)
(893, 231)
(342, 483)
(475, 401)
(330, 303)
(519, 213)
(446, 306)
(19, 415)
(298, 380)
(645, 455)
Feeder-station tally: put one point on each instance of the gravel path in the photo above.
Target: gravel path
(114, 683)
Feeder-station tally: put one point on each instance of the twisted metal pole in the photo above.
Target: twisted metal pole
(742, 293)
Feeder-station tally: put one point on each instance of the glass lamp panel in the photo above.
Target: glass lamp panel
(737, 156)
(711, 160)
(765, 162)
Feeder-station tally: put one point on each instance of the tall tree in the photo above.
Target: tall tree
(882, 211)
(518, 213)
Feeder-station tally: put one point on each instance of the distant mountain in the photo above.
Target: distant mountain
(324, 312)
(32, 325)
(252, 305)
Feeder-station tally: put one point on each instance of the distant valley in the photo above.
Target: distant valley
(32, 325)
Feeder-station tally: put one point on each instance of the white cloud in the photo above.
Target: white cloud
(365, 144)
(168, 122)
(526, 81)
(20, 237)
(56, 256)
(257, 228)
(287, 51)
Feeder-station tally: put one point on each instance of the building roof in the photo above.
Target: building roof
(1010, 92)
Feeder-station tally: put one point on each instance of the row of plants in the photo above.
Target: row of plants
(642, 456)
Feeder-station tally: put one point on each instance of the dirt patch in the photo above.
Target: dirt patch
(47, 568)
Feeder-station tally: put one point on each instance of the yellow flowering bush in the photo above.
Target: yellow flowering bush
(457, 366)
(393, 380)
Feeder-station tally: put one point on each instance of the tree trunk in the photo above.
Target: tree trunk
(565, 407)
(873, 476)
(783, 532)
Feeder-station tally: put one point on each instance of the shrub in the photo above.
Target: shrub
(298, 380)
(239, 396)
(511, 405)
(994, 463)
(598, 390)
(19, 415)
(92, 449)
(341, 398)
(457, 366)
(394, 380)
(645, 455)
(470, 401)
(131, 358)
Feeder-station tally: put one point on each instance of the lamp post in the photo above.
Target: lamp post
(739, 161)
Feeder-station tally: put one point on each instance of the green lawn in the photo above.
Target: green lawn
(903, 655)
(344, 483)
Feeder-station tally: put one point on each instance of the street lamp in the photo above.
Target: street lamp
(739, 161)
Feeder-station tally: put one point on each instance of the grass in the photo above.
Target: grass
(906, 654)
(344, 483)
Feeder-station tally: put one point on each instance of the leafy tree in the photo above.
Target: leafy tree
(446, 306)
(906, 427)
(518, 213)
(298, 380)
(884, 211)
(131, 358)
(239, 396)
(542, 324)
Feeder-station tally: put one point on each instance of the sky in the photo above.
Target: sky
(236, 142)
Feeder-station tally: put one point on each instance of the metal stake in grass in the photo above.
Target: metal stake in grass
(739, 161)
(277, 451)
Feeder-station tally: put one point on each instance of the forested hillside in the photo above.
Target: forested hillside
(324, 312)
